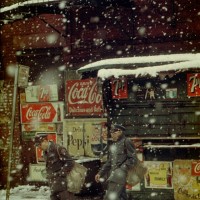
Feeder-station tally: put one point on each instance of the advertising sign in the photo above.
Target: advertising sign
(41, 112)
(96, 133)
(119, 88)
(193, 85)
(28, 136)
(73, 137)
(186, 180)
(37, 172)
(39, 152)
(196, 168)
(83, 97)
(171, 93)
(37, 127)
(85, 137)
(159, 174)
(23, 75)
(41, 93)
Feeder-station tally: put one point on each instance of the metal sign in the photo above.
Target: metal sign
(41, 93)
(37, 172)
(83, 98)
(41, 112)
(193, 85)
(23, 75)
(119, 88)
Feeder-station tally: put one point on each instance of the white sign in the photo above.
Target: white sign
(38, 127)
(37, 172)
(85, 137)
(41, 93)
(23, 75)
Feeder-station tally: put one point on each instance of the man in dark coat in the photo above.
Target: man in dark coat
(58, 164)
(122, 156)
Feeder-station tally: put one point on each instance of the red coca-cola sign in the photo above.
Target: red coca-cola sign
(39, 112)
(83, 97)
(195, 168)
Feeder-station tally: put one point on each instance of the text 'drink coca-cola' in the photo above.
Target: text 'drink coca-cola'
(83, 97)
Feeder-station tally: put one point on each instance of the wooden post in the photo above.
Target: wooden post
(11, 134)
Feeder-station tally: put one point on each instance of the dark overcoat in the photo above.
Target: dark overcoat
(58, 164)
(122, 156)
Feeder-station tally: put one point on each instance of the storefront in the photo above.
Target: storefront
(78, 123)
(159, 106)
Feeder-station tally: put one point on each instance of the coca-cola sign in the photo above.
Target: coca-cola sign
(83, 97)
(196, 168)
(41, 112)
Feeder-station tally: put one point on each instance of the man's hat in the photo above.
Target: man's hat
(115, 127)
(39, 138)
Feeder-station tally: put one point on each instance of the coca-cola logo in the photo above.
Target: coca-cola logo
(84, 95)
(40, 114)
(43, 112)
(197, 168)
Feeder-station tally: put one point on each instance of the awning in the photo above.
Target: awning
(159, 63)
(151, 71)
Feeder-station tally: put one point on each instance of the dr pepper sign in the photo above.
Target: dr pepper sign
(41, 112)
(83, 98)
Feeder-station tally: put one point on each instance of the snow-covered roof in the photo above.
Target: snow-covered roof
(28, 2)
(107, 68)
(152, 71)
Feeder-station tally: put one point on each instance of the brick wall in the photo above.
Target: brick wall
(5, 131)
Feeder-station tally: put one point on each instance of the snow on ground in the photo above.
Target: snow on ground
(26, 192)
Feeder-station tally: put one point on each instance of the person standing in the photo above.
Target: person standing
(58, 164)
(122, 156)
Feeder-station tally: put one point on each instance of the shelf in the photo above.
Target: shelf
(171, 146)
(164, 138)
